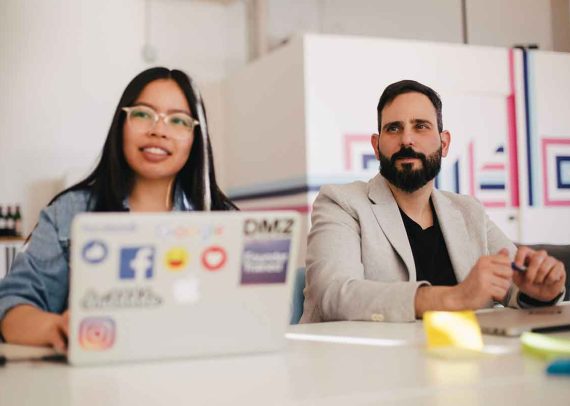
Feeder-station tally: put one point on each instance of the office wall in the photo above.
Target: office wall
(264, 122)
(474, 83)
(545, 163)
(64, 65)
(431, 20)
(509, 22)
(489, 22)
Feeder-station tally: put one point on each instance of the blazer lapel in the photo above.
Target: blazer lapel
(390, 221)
(454, 230)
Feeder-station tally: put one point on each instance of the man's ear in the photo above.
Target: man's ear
(445, 137)
(374, 138)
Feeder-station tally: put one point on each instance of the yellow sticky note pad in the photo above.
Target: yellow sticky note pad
(453, 332)
(545, 346)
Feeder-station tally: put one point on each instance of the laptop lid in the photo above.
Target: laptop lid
(514, 322)
(157, 286)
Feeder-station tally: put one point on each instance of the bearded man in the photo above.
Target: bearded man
(394, 247)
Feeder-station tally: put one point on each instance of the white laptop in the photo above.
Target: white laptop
(160, 286)
(514, 322)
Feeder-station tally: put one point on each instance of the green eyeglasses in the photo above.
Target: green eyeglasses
(144, 118)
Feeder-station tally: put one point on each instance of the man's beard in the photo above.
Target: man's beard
(408, 179)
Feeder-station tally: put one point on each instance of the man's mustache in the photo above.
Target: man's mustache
(407, 152)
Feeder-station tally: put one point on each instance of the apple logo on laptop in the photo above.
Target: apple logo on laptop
(187, 290)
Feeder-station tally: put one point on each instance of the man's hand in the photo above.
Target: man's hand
(28, 325)
(488, 280)
(544, 278)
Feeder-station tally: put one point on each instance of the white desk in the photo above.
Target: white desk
(387, 367)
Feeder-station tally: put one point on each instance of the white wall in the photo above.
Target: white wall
(264, 120)
(510, 22)
(65, 64)
(490, 22)
(206, 38)
(432, 20)
(560, 20)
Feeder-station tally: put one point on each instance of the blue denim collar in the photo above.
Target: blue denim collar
(180, 203)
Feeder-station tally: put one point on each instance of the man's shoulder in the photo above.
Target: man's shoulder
(464, 203)
(349, 194)
(349, 197)
(348, 189)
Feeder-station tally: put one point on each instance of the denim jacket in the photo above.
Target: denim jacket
(39, 275)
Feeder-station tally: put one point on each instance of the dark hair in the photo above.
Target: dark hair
(112, 179)
(409, 86)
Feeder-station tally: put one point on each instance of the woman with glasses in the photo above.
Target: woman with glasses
(157, 158)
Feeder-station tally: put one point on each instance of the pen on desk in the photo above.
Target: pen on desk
(559, 367)
(518, 268)
(53, 357)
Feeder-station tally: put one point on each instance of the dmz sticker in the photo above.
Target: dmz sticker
(94, 252)
(137, 263)
(265, 261)
(97, 333)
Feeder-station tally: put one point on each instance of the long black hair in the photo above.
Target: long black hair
(112, 179)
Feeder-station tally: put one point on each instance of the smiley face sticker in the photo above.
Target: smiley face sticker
(176, 259)
(214, 258)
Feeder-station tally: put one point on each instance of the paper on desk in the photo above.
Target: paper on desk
(545, 346)
(453, 334)
(15, 352)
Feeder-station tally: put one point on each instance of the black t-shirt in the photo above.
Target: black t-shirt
(430, 252)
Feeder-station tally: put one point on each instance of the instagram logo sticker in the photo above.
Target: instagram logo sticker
(97, 333)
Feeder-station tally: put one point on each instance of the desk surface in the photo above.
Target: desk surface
(342, 363)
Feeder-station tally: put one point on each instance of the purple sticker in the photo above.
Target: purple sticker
(265, 261)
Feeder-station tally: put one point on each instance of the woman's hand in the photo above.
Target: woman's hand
(28, 325)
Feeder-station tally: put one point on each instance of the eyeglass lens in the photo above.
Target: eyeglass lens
(143, 118)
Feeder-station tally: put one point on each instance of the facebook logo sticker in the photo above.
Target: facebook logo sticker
(137, 263)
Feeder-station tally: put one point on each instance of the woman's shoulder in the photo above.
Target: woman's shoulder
(59, 214)
(64, 207)
(73, 201)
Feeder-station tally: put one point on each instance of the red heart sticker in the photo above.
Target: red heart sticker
(214, 258)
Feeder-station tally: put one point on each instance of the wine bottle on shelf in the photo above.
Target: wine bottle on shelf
(10, 223)
(18, 222)
(2, 222)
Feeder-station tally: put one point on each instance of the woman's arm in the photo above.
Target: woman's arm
(37, 286)
(28, 325)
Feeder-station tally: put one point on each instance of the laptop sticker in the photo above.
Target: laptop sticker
(94, 252)
(137, 263)
(120, 298)
(214, 258)
(265, 261)
(184, 232)
(97, 333)
(187, 290)
(176, 259)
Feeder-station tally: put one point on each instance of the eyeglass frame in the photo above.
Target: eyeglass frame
(161, 116)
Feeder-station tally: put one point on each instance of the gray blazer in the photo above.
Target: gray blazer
(359, 260)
